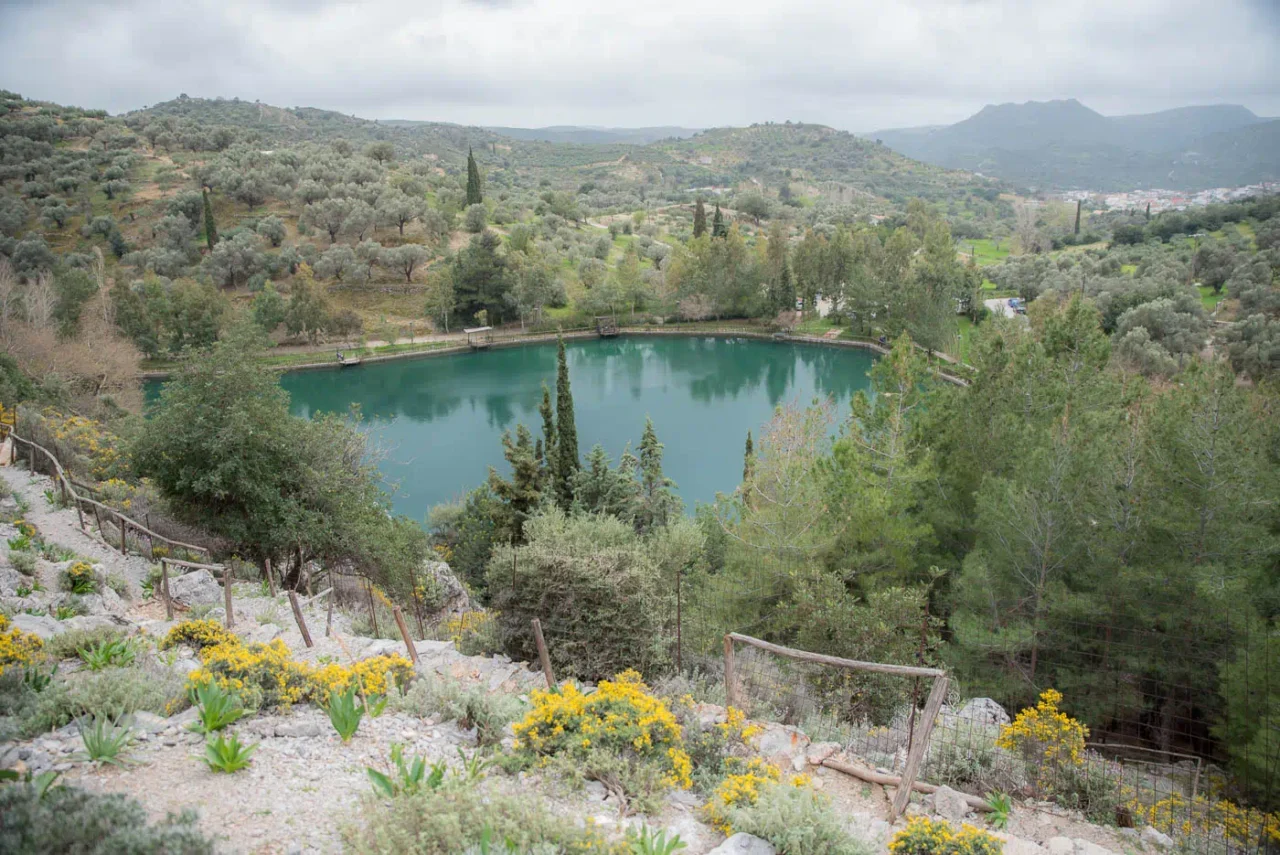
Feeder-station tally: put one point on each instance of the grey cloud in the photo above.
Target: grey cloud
(857, 64)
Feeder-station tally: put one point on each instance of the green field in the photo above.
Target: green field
(983, 251)
(1209, 299)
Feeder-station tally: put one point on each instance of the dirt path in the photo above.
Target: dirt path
(61, 526)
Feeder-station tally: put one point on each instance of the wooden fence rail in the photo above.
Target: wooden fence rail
(924, 725)
(69, 488)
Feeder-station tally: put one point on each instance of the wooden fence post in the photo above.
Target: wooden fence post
(271, 580)
(730, 696)
(98, 519)
(226, 588)
(297, 615)
(404, 633)
(164, 589)
(373, 611)
(79, 511)
(543, 656)
(328, 618)
(124, 533)
(919, 745)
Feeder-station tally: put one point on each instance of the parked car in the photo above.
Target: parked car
(1017, 305)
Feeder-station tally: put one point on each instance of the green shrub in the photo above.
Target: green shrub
(111, 693)
(68, 819)
(24, 561)
(470, 706)
(67, 645)
(597, 591)
(797, 821)
(449, 820)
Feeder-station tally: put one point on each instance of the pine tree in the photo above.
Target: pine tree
(786, 297)
(521, 495)
(548, 440)
(699, 220)
(598, 488)
(474, 195)
(210, 228)
(658, 501)
(718, 228)
(748, 460)
(567, 462)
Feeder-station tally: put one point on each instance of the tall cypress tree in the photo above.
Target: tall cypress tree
(474, 196)
(548, 440)
(748, 459)
(718, 228)
(566, 457)
(210, 228)
(699, 220)
(1078, 203)
(658, 501)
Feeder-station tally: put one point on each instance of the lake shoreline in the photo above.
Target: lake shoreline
(572, 335)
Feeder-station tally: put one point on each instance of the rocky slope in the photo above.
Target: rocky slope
(305, 785)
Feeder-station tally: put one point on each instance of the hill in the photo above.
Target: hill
(824, 162)
(1066, 145)
(773, 154)
(593, 135)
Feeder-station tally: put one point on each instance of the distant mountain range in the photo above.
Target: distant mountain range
(589, 135)
(1065, 145)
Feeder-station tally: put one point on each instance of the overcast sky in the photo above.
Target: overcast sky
(854, 64)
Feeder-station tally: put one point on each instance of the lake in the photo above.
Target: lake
(439, 421)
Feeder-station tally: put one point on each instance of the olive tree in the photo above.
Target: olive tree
(273, 229)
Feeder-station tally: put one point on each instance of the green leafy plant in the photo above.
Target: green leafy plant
(216, 707)
(22, 591)
(649, 842)
(228, 755)
(36, 679)
(406, 777)
(105, 739)
(1001, 806)
(108, 653)
(345, 713)
(19, 543)
(474, 767)
(375, 705)
(65, 612)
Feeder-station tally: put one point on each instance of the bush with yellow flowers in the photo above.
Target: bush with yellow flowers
(79, 578)
(620, 716)
(82, 444)
(267, 675)
(17, 648)
(925, 836)
(1044, 735)
(198, 634)
(747, 778)
(373, 676)
(263, 675)
(1214, 818)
